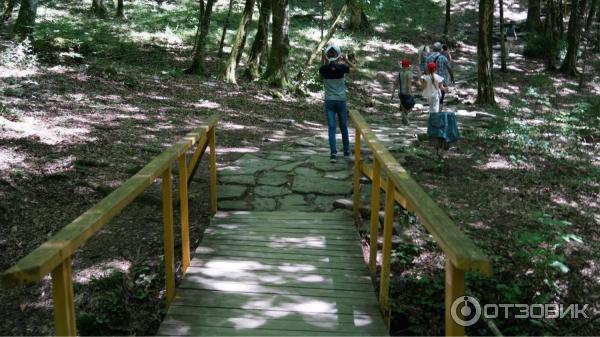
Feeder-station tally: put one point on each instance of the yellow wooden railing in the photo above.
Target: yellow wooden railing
(460, 252)
(54, 255)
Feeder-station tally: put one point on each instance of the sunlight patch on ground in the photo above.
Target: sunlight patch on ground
(204, 104)
(101, 270)
(8, 72)
(11, 158)
(46, 14)
(168, 37)
(249, 149)
(46, 132)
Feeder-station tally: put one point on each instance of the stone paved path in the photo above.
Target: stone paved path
(296, 177)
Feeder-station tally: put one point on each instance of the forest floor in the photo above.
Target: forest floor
(83, 115)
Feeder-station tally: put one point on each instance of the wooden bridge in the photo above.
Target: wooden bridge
(266, 273)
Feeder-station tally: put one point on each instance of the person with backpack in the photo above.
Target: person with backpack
(443, 68)
(404, 82)
(335, 66)
(511, 36)
(432, 86)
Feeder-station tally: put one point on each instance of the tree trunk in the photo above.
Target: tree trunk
(562, 8)
(120, 13)
(569, 65)
(204, 15)
(502, 37)
(485, 81)
(26, 18)
(534, 22)
(591, 15)
(245, 36)
(276, 74)
(358, 19)
(552, 34)
(10, 6)
(316, 52)
(99, 9)
(225, 27)
(259, 46)
(231, 63)
(447, 23)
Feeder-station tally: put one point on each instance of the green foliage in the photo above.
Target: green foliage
(405, 253)
(536, 46)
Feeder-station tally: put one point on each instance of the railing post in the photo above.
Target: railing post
(213, 170)
(185, 221)
(454, 288)
(357, 174)
(62, 292)
(375, 193)
(168, 235)
(388, 222)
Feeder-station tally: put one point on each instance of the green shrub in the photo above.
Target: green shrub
(536, 46)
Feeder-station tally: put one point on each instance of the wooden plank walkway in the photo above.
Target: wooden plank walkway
(277, 274)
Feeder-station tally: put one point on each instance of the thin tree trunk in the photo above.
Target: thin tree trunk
(534, 22)
(591, 15)
(10, 6)
(276, 74)
(447, 23)
(204, 15)
(120, 13)
(552, 34)
(569, 65)
(562, 8)
(26, 18)
(322, 15)
(485, 81)
(316, 52)
(225, 27)
(99, 9)
(259, 46)
(502, 37)
(231, 63)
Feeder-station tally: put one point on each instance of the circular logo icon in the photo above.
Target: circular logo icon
(470, 311)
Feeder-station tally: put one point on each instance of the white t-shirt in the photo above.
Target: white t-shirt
(432, 89)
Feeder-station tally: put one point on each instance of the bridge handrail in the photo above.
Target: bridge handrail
(54, 255)
(461, 253)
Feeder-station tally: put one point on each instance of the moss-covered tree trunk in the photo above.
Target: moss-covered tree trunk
(576, 21)
(26, 18)
(552, 34)
(10, 6)
(447, 22)
(225, 27)
(485, 79)
(502, 37)
(120, 13)
(259, 46)
(240, 37)
(276, 74)
(242, 44)
(204, 15)
(590, 18)
(358, 18)
(534, 22)
(99, 9)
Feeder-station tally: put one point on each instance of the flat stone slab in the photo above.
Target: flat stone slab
(242, 179)
(339, 175)
(250, 164)
(288, 167)
(230, 191)
(273, 179)
(291, 201)
(264, 204)
(325, 202)
(342, 164)
(271, 191)
(305, 142)
(307, 172)
(238, 205)
(319, 186)
(283, 156)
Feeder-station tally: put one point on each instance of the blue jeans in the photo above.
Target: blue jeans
(333, 108)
